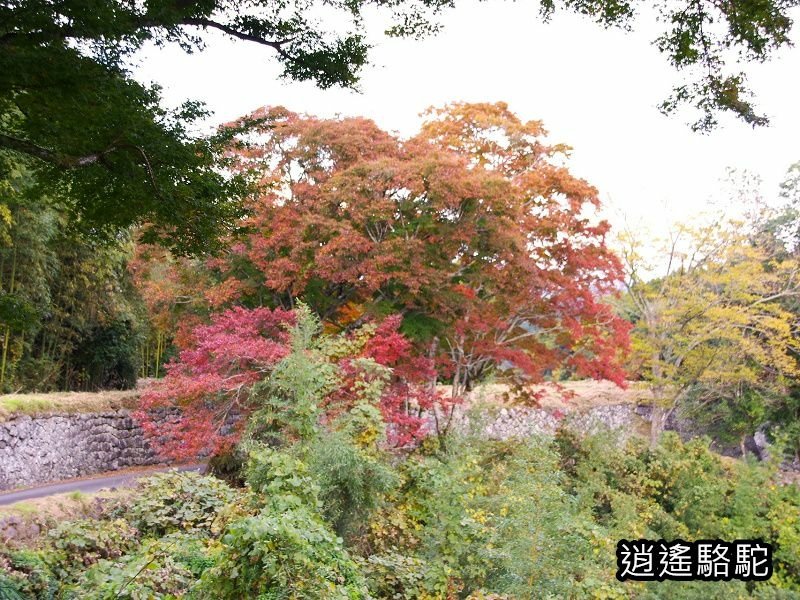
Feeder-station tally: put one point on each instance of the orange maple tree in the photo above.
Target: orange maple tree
(473, 230)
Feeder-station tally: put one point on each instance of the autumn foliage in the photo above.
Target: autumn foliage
(206, 390)
(473, 230)
(203, 402)
(472, 233)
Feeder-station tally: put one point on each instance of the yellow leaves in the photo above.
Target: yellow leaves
(479, 516)
(5, 225)
(609, 592)
(716, 317)
(367, 437)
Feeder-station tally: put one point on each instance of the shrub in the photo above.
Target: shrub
(352, 481)
(178, 501)
(474, 519)
(153, 571)
(26, 575)
(9, 589)
(395, 576)
(283, 554)
(79, 544)
(281, 480)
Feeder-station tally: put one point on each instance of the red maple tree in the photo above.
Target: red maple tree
(474, 231)
(202, 404)
(199, 404)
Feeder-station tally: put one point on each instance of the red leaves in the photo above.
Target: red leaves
(474, 223)
(388, 346)
(238, 339)
(474, 228)
(195, 407)
(411, 394)
(203, 402)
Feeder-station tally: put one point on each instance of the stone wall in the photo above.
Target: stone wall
(623, 419)
(523, 422)
(60, 446)
(36, 450)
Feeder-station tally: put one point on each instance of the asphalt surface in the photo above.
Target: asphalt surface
(89, 485)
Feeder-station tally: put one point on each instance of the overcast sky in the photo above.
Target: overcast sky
(596, 90)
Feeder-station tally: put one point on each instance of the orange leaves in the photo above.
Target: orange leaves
(474, 229)
(490, 134)
(350, 313)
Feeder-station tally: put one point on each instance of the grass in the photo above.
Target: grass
(23, 509)
(61, 507)
(581, 395)
(12, 405)
(25, 403)
(572, 395)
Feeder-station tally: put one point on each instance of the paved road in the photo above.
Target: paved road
(88, 485)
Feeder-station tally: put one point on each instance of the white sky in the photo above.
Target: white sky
(595, 89)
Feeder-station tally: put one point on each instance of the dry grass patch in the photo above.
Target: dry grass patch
(70, 505)
(12, 405)
(569, 396)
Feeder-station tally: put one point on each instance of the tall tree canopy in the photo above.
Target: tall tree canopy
(69, 314)
(68, 102)
(473, 230)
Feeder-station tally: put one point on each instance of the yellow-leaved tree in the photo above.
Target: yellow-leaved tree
(708, 321)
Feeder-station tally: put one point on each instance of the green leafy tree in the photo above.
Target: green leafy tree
(69, 104)
(69, 316)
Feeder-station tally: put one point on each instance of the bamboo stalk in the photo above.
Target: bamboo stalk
(7, 334)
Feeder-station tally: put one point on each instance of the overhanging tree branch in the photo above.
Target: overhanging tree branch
(209, 23)
(50, 156)
(76, 162)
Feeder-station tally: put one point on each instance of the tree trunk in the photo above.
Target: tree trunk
(658, 419)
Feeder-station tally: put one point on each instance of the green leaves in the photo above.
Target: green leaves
(83, 543)
(706, 42)
(102, 140)
(178, 501)
(290, 555)
(485, 519)
(352, 481)
(286, 550)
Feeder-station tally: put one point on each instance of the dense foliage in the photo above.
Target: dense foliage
(69, 104)
(713, 327)
(262, 371)
(715, 322)
(329, 508)
(70, 317)
(355, 272)
(473, 231)
(484, 519)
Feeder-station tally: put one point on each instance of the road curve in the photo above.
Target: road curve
(89, 485)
